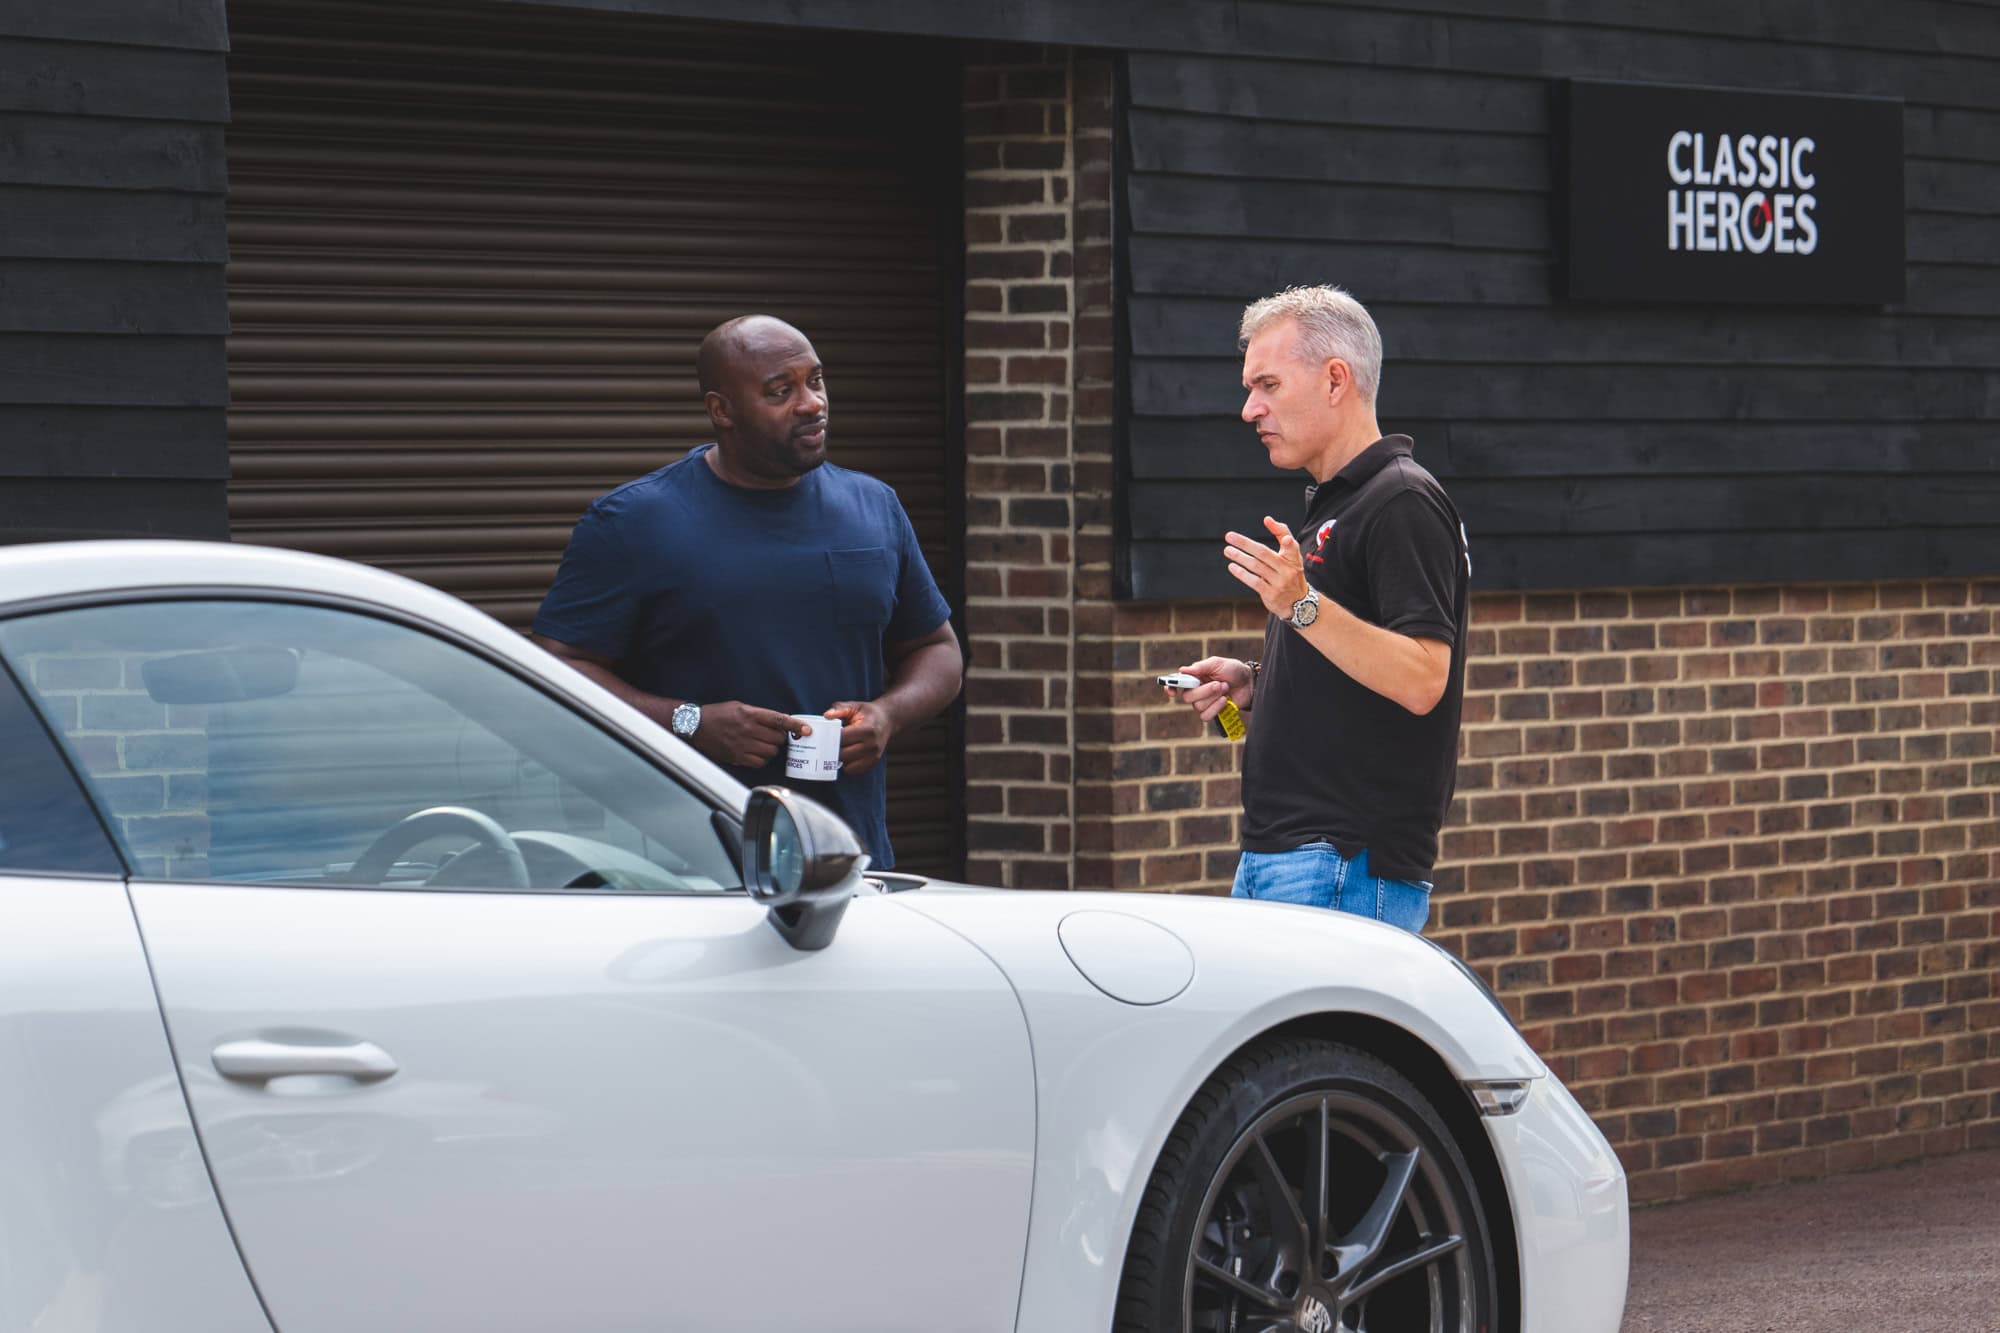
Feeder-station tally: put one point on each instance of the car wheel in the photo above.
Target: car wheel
(1309, 1188)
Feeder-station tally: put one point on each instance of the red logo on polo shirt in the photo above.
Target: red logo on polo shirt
(1325, 531)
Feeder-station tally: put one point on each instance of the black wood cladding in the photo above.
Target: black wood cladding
(1406, 156)
(1401, 151)
(112, 251)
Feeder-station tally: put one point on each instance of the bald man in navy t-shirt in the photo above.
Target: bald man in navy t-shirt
(753, 580)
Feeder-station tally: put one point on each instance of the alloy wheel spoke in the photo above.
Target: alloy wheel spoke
(1319, 1194)
(1371, 1233)
(1419, 1258)
(1263, 1298)
(1271, 1179)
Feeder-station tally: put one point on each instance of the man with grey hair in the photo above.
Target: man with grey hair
(1354, 708)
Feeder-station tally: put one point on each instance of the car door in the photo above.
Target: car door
(478, 1031)
(107, 1221)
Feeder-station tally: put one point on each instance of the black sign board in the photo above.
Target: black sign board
(1720, 196)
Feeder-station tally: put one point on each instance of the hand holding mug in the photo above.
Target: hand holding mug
(864, 734)
(742, 734)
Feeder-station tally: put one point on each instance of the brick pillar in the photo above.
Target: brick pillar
(1059, 671)
(1019, 300)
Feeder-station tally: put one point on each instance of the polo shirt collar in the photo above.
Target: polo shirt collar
(1363, 466)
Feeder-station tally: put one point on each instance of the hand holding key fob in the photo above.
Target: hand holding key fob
(1229, 721)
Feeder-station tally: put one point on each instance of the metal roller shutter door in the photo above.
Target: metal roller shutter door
(474, 248)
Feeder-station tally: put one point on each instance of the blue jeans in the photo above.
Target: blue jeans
(1317, 875)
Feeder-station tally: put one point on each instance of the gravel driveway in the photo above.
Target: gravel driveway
(1913, 1249)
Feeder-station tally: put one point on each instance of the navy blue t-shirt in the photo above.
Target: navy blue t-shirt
(782, 599)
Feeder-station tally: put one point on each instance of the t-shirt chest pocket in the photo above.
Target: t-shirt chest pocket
(864, 586)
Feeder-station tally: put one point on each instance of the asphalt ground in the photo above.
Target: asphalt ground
(1911, 1249)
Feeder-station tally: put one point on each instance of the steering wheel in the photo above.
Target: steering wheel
(373, 865)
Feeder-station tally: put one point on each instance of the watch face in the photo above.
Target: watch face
(686, 718)
(1305, 610)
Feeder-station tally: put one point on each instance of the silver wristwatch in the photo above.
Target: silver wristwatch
(687, 717)
(1306, 609)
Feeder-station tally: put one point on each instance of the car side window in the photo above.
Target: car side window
(46, 824)
(278, 743)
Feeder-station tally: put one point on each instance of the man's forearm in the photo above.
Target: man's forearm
(657, 707)
(922, 684)
(1408, 671)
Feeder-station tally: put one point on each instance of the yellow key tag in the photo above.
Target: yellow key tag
(1229, 721)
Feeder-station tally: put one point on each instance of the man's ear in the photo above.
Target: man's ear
(1339, 380)
(718, 410)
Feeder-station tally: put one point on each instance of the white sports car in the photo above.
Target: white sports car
(364, 967)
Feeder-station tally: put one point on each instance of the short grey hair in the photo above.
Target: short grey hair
(1331, 324)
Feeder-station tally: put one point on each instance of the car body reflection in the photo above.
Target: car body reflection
(147, 1149)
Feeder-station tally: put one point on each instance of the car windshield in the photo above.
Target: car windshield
(276, 742)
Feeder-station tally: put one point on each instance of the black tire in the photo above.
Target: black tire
(1227, 1219)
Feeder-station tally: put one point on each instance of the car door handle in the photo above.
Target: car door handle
(257, 1060)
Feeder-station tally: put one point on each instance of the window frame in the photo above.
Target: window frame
(95, 599)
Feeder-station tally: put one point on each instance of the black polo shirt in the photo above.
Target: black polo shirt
(1328, 759)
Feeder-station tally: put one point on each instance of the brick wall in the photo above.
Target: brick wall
(1731, 857)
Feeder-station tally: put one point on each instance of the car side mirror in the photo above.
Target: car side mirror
(802, 862)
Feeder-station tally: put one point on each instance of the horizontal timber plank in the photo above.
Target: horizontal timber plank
(1246, 268)
(1183, 326)
(1486, 46)
(1308, 91)
(1208, 145)
(1208, 387)
(1186, 205)
(1605, 506)
(1193, 448)
(70, 508)
(77, 79)
(194, 25)
(71, 296)
(113, 442)
(111, 154)
(1919, 26)
(111, 370)
(131, 225)
(1167, 570)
